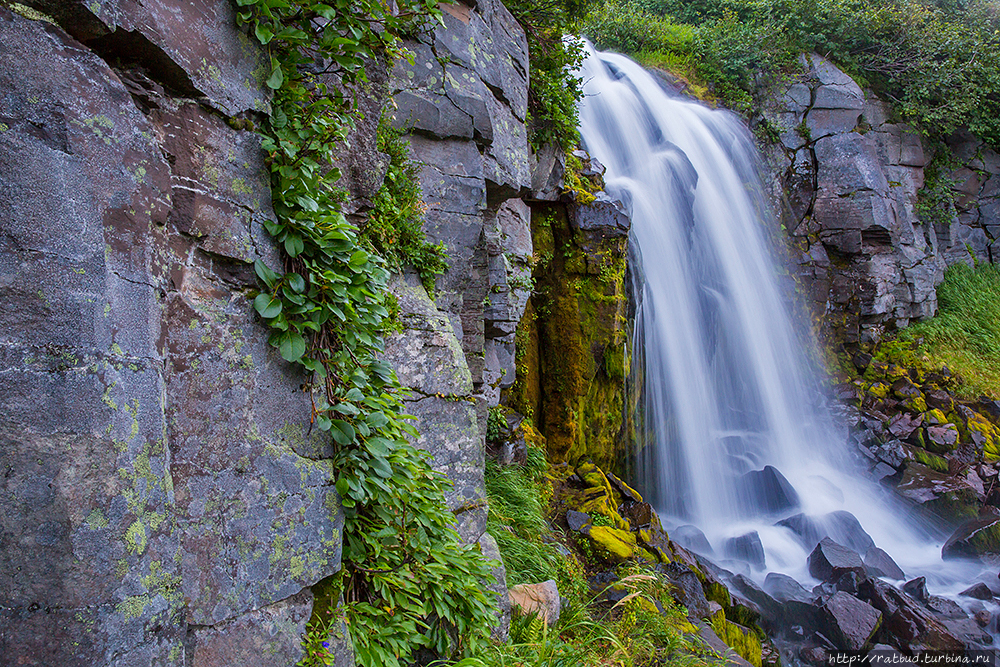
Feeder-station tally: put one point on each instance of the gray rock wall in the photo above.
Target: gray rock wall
(161, 500)
(161, 503)
(464, 100)
(851, 177)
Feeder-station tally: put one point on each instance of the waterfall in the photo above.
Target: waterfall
(727, 387)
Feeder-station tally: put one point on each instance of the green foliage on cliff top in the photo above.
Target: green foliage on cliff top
(554, 89)
(939, 63)
(965, 334)
(408, 581)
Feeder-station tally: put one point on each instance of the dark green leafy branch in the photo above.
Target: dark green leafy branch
(408, 583)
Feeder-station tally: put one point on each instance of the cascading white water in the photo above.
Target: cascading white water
(726, 386)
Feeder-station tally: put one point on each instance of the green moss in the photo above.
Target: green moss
(746, 643)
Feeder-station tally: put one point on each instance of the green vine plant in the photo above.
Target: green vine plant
(408, 582)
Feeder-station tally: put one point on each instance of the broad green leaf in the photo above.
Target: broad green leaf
(267, 305)
(277, 78)
(342, 432)
(292, 346)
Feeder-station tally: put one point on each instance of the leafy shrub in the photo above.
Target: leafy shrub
(939, 63)
(554, 89)
(408, 582)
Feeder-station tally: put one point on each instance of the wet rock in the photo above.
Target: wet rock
(904, 424)
(951, 498)
(772, 610)
(974, 538)
(840, 526)
(767, 491)
(979, 591)
(882, 471)
(880, 564)
(686, 588)
(944, 437)
(849, 582)
(849, 621)
(908, 621)
(944, 607)
(784, 588)
(747, 548)
(641, 516)
(692, 538)
(917, 589)
(829, 561)
(541, 599)
(982, 618)
(578, 521)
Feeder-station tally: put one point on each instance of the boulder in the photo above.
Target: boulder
(911, 624)
(578, 521)
(747, 548)
(880, 564)
(974, 538)
(692, 538)
(952, 498)
(541, 599)
(829, 561)
(613, 544)
(767, 491)
(840, 526)
(772, 610)
(917, 589)
(978, 591)
(849, 622)
(686, 588)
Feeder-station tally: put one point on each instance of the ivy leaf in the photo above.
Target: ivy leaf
(264, 273)
(263, 33)
(277, 77)
(294, 245)
(267, 305)
(359, 258)
(292, 346)
(342, 432)
(296, 282)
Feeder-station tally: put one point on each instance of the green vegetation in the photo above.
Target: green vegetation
(554, 88)
(395, 226)
(645, 628)
(965, 334)
(407, 581)
(939, 63)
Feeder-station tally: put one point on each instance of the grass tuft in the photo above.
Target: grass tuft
(965, 334)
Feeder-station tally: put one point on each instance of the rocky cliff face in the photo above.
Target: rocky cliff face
(852, 175)
(162, 498)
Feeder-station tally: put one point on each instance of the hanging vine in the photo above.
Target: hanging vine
(408, 581)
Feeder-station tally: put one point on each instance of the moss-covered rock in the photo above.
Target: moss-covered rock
(974, 538)
(612, 543)
(744, 641)
(579, 333)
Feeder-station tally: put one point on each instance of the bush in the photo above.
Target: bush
(938, 63)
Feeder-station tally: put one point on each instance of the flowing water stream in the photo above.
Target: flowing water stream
(727, 387)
